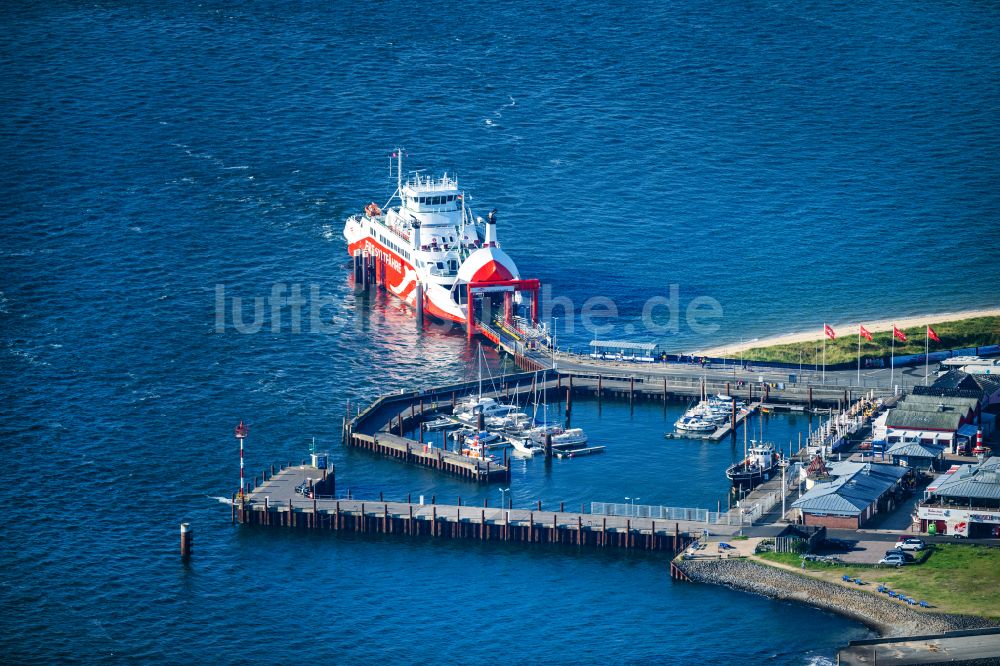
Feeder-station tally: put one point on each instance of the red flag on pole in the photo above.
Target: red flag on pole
(865, 334)
(829, 332)
(932, 335)
(899, 334)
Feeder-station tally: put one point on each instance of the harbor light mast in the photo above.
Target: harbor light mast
(241, 434)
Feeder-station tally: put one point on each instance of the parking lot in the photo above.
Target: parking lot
(863, 552)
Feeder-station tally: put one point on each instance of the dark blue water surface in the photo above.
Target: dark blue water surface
(795, 162)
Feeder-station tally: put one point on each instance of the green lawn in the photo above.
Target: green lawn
(973, 332)
(956, 578)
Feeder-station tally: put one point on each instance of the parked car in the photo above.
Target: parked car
(893, 560)
(911, 544)
(841, 544)
(906, 556)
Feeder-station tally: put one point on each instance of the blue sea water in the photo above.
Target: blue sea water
(795, 162)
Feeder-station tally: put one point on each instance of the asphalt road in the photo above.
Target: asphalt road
(808, 374)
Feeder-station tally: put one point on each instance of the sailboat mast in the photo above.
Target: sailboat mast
(744, 442)
(479, 360)
(399, 171)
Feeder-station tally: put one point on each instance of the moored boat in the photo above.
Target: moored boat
(430, 246)
(474, 448)
(760, 464)
(441, 423)
(525, 446)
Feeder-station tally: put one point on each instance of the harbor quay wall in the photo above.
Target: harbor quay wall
(383, 426)
(665, 387)
(390, 412)
(888, 617)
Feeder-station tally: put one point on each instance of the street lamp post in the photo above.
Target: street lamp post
(503, 497)
(784, 488)
(555, 323)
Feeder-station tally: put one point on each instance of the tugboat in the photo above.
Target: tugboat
(759, 465)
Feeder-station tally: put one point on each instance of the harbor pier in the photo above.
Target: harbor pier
(293, 497)
(383, 426)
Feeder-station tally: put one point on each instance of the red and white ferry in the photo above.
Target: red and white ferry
(431, 251)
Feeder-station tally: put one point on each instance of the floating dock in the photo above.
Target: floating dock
(575, 453)
(738, 418)
(433, 457)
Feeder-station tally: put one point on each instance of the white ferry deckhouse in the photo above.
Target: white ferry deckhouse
(431, 252)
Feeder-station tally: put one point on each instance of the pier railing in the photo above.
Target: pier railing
(746, 513)
(654, 512)
(648, 511)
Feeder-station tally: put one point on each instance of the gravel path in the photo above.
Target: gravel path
(887, 616)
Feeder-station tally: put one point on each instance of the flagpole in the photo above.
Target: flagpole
(892, 361)
(859, 355)
(824, 353)
(927, 347)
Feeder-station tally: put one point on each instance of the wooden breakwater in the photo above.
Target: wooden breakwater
(296, 497)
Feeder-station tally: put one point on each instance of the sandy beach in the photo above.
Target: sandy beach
(849, 328)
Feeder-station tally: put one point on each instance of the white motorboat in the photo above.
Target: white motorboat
(694, 424)
(488, 407)
(511, 421)
(525, 446)
(441, 423)
(560, 438)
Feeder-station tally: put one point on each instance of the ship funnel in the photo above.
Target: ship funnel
(416, 233)
(491, 229)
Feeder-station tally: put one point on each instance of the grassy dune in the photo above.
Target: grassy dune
(973, 332)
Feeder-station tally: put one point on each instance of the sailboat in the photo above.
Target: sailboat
(470, 409)
(564, 438)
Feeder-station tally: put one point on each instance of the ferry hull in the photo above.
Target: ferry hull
(400, 279)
